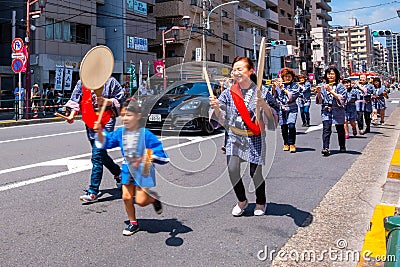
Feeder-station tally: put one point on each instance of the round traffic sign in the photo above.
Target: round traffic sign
(17, 65)
(17, 45)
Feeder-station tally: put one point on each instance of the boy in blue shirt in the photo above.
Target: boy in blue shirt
(140, 149)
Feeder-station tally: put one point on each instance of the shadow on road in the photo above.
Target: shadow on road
(301, 218)
(171, 226)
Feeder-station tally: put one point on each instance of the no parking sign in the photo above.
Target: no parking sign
(17, 65)
(17, 45)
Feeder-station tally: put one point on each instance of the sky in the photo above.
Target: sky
(371, 12)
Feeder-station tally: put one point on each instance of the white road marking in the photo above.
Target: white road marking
(40, 136)
(314, 128)
(395, 101)
(76, 166)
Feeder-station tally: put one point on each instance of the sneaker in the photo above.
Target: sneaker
(347, 136)
(292, 149)
(223, 149)
(90, 198)
(285, 147)
(342, 149)
(237, 211)
(117, 179)
(325, 152)
(354, 132)
(131, 229)
(367, 130)
(361, 132)
(258, 212)
(304, 124)
(157, 206)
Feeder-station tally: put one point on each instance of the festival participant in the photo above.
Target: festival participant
(378, 101)
(140, 148)
(236, 108)
(364, 104)
(84, 100)
(304, 100)
(350, 108)
(286, 92)
(332, 96)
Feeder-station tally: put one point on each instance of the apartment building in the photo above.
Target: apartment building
(67, 29)
(392, 45)
(356, 46)
(320, 36)
(378, 57)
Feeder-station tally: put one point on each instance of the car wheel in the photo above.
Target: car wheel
(207, 127)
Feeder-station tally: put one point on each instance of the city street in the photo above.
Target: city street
(44, 168)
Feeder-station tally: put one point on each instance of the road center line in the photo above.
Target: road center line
(60, 174)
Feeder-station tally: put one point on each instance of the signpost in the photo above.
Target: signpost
(17, 66)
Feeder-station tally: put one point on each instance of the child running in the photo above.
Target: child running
(140, 148)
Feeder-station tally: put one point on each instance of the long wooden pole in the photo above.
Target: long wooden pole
(260, 74)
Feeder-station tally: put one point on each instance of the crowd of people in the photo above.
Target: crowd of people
(42, 100)
(243, 109)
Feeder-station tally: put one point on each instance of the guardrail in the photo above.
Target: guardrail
(43, 107)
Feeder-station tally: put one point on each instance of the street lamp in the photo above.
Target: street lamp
(206, 25)
(42, 5)
(175, 29)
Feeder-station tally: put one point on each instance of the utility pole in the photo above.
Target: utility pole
(204, 17)
(254, 47)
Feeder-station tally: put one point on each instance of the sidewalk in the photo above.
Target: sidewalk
(374, 248)
(6, 119)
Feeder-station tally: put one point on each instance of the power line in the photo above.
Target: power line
(354, 9)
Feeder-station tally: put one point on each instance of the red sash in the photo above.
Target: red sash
(89, 116)
(243, 111)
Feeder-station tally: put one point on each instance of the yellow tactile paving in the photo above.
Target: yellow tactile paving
(375, 239)
(396, 158)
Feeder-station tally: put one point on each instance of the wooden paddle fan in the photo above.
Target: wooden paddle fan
(96, 68)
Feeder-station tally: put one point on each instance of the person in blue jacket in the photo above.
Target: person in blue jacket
(140, 148)
(332, 96)
(304, 100)
(378, 101)
(350, 108)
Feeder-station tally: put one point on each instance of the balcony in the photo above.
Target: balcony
(258, 4)
(272, 34)
(322, 13)
(272, 3)
(323, 4)
(322, 23)
(249, 18)
(170, 9)
(245, 39)
(272, 16)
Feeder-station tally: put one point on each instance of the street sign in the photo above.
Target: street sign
(17, 55)
(17, 45)
(17, 65)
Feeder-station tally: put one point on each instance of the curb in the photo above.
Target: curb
(8, 123)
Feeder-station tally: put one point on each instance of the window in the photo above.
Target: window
(193, 2)
(5, 36)
(241, 28)
(282, 12)
(283, 29)
(224, 14)
(67, 31)
(193, 55)
(225, 59)
(289, 16)
(225, 36)
(212, 57)
(290, 32)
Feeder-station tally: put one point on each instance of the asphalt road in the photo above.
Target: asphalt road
(45, 167)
